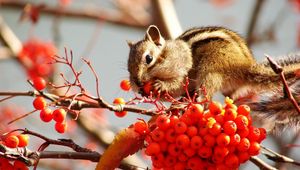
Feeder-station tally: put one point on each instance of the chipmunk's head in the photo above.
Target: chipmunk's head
(143, 56)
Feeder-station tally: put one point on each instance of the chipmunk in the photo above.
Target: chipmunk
(214, 57)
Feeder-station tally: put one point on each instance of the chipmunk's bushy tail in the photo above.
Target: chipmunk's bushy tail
(271, 108)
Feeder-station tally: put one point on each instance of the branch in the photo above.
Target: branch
(261, 164)
(276, 157)
(113, 17)
(30, 158)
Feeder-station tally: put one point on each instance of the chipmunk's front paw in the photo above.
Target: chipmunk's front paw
(159, 86)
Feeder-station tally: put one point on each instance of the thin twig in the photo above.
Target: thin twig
(279, 70)
(261, 164)
(274, 156)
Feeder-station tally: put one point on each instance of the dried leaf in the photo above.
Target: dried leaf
(126, 142)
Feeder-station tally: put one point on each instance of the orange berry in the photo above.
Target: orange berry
(189, 151)
(183, 157)
(4, 163)
(215, 108)
(244, 145)
(243, 132)
(223, 139)
(195, 163)
(196, 142)
(244, 110)
(59, 115)
(173, 120)
(170, 135)
(23, 140)
(39, 83)
(235, 139)
(18, 165)
(157, 135)
(209, 140)
(46, 115)
(152, 149)
(119, 100)
(125, 85)
(254, 134)
(220, 118)
(163, 145)
(221, 151)
(229, 127)
(243, 157)
(230, 114)
(174, 150)
(263, 134)
(241, 122)
(215, 129)
(39, 103)
(204, 152)
(196, 111)
(12, 141)
(232, 161)
(254, 148)
(180, 166)
(180, 127)
(162, 122)
(192, 131)
(170, 161)
(147, 87)
(60, 127)
(182, 141)
(140, 127)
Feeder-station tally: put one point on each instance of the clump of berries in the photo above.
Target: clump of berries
(221, 137)
(13, 141)
(46, 114)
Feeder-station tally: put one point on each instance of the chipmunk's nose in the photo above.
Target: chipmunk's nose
(139, 83)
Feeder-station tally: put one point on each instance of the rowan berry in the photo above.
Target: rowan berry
(221, 151)
(215, 108)
(147, 88)
(243, 110)
(12, 141)
(243, 145)
(125, 85)
(163, 122)
(192, 131)
(196, 111)
(263, 134)
(182, 157)
(216, 158)
(220, 118)
(61, 127)
(232, 161)
(59, 115)
(210, 122)
(241, 122)
(170, 161)
(189, 151)
(209, 140)
(152, 149)
(140, 127)
(39, 103)
(157, 135)
(180, 166)
(187, 119)
(23, 140)
(243, 156)
(180, 127)
(254, 134)
(196, 142)
(229, 127)
(203, 130)
(235, 139)
(215, 129)
(230, 114)
(254, 148)
(46, 115)
(4, 163)
(223, 139)
(174, 150)
(18, 165)
(243, 132)
(205, 152)
(173, 120)
(163, 145)
(170, 135)
(195, 163)
(182, 141)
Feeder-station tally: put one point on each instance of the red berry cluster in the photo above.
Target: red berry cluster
(221, 137)
(13, 141)
(46, 114)
(36, 56)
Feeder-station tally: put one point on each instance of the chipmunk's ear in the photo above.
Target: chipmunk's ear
(130, 43)
(153, 34)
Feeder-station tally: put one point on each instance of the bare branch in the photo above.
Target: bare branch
(261, 164)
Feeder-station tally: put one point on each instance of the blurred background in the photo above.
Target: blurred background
(98, 30)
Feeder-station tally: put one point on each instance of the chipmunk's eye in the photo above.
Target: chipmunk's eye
(149, 59)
